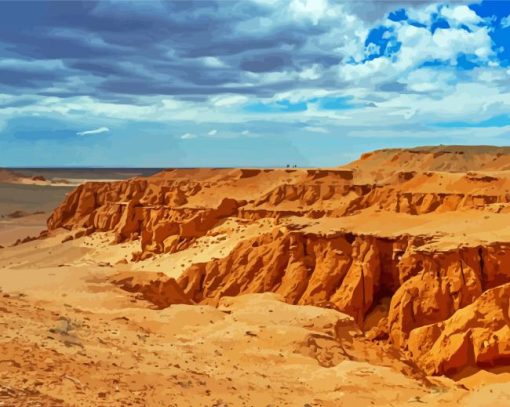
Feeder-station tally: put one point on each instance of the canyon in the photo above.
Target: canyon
(396, 265)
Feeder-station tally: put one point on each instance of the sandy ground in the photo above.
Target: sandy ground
(30, 198)
(13, 229)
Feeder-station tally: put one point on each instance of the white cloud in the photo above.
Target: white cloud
(5, 98)
(455, 41)
(311, 73)
(32, 65)
(188, 136)
(429, 80)
(505, 22)
(460, 15)
(301, 95)
(377, 69)
(457, 105)
(213, 62)
(228, 100)
(245, 132)
(99, 130)
(314, 129)
(171, 104)
(212, 132)
(422, 14)
(418, 46)
(312, 9)
(372, 49)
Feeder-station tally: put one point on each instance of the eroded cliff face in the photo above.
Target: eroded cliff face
(345, 271)
(354, 274)
(477, 335)
(135, 210)
(156, 288)
(446, 306)
(168, 213)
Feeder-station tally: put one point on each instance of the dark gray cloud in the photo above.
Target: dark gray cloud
(265, 63)
(98, 68)
(112, 49)
(23, 79)
(153, 47)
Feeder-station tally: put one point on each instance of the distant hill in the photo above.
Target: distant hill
(8, 175)
(379, 164)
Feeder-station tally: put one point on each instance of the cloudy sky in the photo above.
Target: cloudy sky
(247, 83)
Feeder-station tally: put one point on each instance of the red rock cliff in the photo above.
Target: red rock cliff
(447, 306)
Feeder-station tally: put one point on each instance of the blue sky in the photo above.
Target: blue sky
(247, 83)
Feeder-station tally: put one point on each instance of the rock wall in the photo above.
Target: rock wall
(163, 214)
(478, 334)
(438, 300)
(354, 273)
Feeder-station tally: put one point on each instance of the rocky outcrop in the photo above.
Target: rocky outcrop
(477, 335)
(134, 209)
(353, 273)
(156, 288)
(419, 203)
(430, 291)
(382, 163)
(343, 270)
(420, 298)
(167, 213)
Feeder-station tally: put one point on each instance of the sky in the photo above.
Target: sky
(247, 83)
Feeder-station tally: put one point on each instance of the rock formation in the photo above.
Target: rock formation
(477, 335)
(154, 287)
(435, 295)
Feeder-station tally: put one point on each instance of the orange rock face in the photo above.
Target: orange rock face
(342, 270)
(353, 273)
(168, 204)
(439, 297)
(477, 335)
(154, 287)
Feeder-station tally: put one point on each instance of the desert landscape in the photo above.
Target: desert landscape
(384, 282)
(254, 203)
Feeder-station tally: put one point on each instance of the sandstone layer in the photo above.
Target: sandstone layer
(410, 243)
